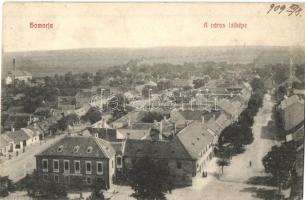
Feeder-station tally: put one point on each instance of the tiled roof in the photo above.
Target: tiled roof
(195, 138)
(18, 136)
(232, 107)
(79, 147)
(134, 116)
(141, 126)
(156, 149)
(137, 134)
(5, 140)
(191, 115)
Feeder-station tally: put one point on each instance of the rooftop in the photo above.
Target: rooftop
(195, 138)
(155, 149)
(78, 146)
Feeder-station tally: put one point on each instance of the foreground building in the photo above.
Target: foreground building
(78, 161)
(180, 164)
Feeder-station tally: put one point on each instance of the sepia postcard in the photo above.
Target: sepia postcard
(152, 101)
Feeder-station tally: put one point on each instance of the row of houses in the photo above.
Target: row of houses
(15, 142)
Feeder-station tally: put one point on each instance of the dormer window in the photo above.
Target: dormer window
(89, 149)
(60, 148)
(75, 149)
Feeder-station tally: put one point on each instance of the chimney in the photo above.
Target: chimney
(161, 130)
(202, 119)
(103, 123)
(129, 121)
(175, 128)
(14, 65)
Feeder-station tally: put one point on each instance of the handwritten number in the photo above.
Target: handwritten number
(293, 9)
(298, 11)
(271, 7)
(277, 7)
(283, 7)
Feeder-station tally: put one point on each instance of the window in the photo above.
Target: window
(45, 177)
(99, 168)
(44, 165)
(119, 161)
(77, 166)
(88, 180)
(75, 149)
(55, 165)
(179, 165)
(60, 148)
(56, 178)
(88, 167)
(89, 149)
(66, 166)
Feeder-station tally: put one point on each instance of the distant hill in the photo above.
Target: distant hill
(43, 63)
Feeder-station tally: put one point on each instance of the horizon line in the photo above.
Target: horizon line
(156, 47)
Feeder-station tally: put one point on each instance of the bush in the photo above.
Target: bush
(6, 186)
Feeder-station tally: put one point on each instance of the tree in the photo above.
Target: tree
(97, 193)
(224, 156)
(222, 162)
(150, 117)
(6, 186)
(36, 188)
(65, 121)
(198, 83)
(149, 179)
(93, 115)
(279, 162)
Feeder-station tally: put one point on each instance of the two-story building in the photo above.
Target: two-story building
(198, 142)
(180, 164)
(78, 160)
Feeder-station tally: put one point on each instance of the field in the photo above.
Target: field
(47, 63)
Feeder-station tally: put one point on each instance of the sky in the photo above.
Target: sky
(143, 25)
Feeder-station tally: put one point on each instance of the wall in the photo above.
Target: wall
(292, 116)
(106, 176)
(181, 177)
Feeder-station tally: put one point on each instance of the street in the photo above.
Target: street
(25, 161)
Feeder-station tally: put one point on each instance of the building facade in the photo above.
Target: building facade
(77, 161)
